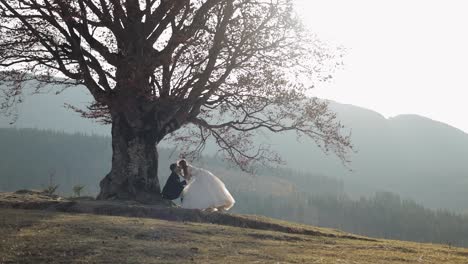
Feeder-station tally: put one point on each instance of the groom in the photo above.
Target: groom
(174, 185)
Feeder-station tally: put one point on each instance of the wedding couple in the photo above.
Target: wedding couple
(200, 189)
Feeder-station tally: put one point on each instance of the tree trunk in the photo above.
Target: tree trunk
(134, 163)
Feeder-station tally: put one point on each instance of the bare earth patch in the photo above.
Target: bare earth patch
(52, 236)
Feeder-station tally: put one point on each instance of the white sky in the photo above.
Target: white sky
(404, 56)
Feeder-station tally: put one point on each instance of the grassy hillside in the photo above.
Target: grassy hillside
(34, 159)
(409, 155)
(48, 237)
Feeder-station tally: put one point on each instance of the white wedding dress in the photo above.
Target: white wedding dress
(204, 190)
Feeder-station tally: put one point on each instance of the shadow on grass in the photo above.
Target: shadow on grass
(33, 200)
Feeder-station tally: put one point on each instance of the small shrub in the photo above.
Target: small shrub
(51, 189)
(77, 190)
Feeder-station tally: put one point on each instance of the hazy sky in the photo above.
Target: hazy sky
(404, 56)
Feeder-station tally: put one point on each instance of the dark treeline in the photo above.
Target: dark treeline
(32, 158)
(384, 215)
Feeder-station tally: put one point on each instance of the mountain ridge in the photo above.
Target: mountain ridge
(412, 155)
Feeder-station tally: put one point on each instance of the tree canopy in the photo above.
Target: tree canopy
(222, 69)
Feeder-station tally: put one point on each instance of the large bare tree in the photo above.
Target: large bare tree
(220, 69)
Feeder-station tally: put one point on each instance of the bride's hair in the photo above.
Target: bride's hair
(182, 163)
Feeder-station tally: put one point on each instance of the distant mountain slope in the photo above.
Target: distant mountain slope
(47, 111)
(414, 156)
(411, 155)
(31, 158)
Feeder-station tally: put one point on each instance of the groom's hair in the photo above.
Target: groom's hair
(173, 166)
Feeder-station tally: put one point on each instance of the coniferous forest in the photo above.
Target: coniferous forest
(36, 159)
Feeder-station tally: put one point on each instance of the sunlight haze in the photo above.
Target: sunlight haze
(403, 57)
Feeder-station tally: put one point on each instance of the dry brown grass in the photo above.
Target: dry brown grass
(27, 199)
(29, 236)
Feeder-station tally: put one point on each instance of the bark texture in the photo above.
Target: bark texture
(134, 163)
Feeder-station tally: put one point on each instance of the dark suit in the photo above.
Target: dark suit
(173, 187)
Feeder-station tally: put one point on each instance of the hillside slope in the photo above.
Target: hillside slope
(418, 158)
(34, 159)
(48, 237)
(31, 158)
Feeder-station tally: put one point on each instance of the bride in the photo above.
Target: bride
(204, 190)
